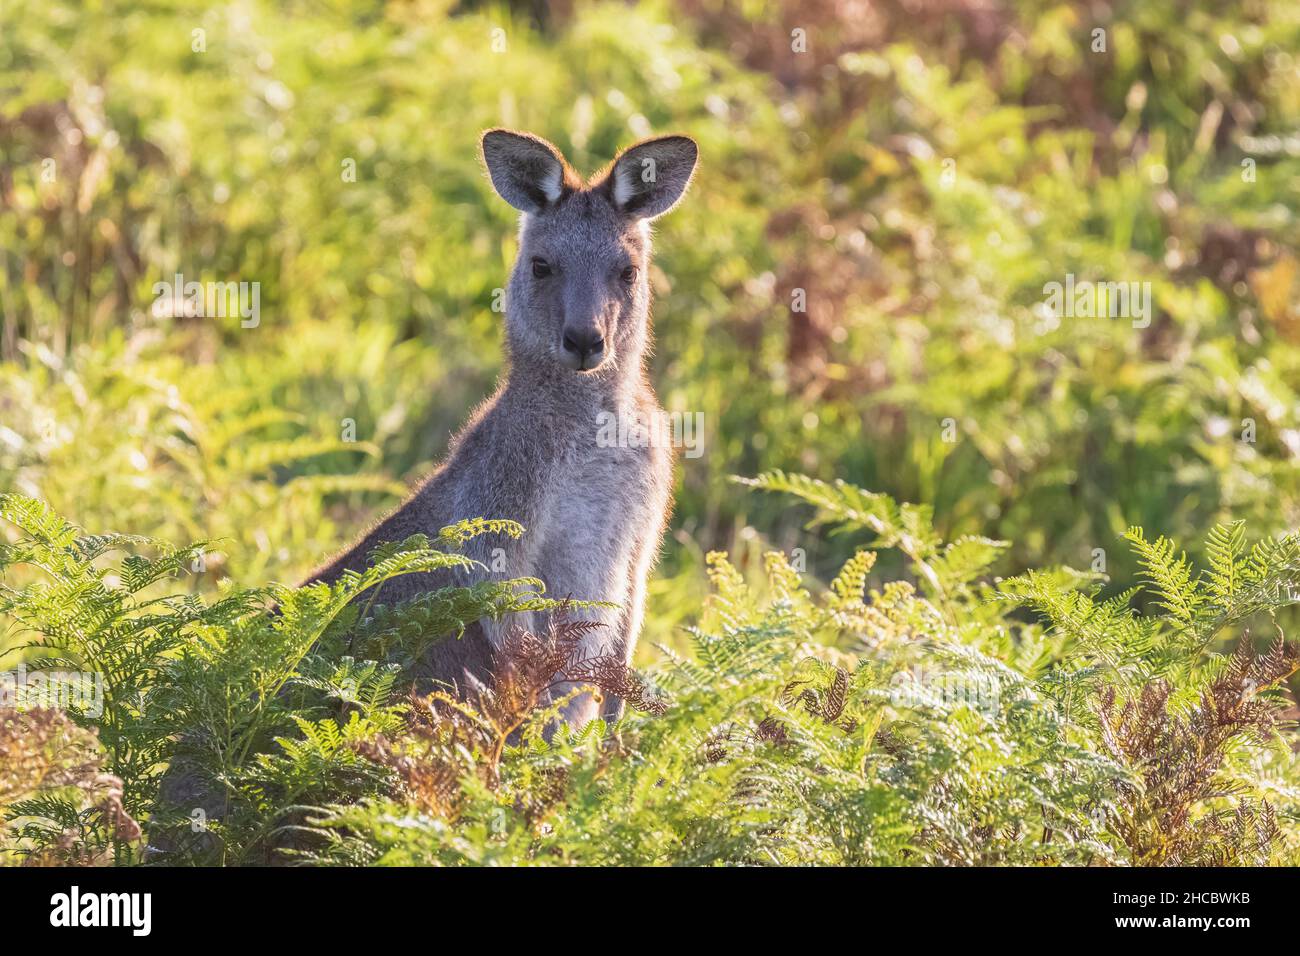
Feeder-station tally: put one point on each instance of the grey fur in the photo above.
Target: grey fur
(594, 515)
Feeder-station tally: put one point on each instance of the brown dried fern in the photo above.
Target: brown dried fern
(1178, 759)
(42, 752)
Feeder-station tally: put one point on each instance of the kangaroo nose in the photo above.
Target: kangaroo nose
(586, 344)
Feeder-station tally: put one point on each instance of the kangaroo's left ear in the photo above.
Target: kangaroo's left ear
(649, 179)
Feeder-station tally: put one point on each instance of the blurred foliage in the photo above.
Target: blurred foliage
(918, 175)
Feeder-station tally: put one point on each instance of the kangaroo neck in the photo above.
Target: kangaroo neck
(569, 392)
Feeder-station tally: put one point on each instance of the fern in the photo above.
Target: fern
(217, 684)
(919, 721)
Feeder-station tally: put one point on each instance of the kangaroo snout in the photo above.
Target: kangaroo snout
(584, 348)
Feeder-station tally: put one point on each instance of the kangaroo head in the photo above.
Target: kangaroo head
(578, 297)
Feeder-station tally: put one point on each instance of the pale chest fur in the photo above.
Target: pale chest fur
(599, 507)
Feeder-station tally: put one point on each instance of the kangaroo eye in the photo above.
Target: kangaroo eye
(629, 273)
(541, 268)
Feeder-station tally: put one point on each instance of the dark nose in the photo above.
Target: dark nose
(586, 344)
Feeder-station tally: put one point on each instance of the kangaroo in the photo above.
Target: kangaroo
(577, 326)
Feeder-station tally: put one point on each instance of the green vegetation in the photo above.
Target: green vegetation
(906, 725)
(855, 290)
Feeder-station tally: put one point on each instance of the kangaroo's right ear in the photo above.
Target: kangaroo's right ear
(526, 170)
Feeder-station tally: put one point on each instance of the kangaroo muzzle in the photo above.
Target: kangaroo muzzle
(584, 348)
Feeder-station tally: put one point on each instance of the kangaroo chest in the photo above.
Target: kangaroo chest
(598, 490)
(597, 502)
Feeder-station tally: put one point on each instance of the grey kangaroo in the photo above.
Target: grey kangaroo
(577, 336)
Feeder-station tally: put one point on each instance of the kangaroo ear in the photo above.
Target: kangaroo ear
(649, 178)
(526, 170)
